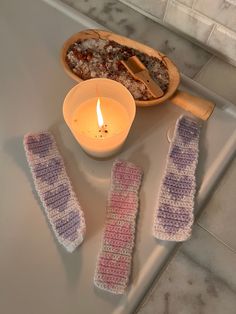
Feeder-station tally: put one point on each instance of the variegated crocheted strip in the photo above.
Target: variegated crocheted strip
(115, 258)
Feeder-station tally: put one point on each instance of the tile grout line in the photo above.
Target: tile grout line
(211, 32)
(166, 9)
(217, 238)
(208, 269)
(203, 68)
(216, 23)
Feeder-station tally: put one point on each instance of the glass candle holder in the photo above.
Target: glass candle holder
(99, 113)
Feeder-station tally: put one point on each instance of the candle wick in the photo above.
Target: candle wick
(103, 129)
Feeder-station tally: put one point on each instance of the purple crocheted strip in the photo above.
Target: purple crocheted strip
(115, 257)
(54, 188)
(174, 215)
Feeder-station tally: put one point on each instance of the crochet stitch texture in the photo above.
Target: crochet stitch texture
(174, 215)
(115, 257)
(54, 189)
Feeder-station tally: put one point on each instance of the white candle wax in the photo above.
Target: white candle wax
(115, 118)
(117, 108)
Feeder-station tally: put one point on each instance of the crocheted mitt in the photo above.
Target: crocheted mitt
(115, 257)
(54, 189)
(174, 214)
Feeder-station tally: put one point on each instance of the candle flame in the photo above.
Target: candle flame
(99, 114)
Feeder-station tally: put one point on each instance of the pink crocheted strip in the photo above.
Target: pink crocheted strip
(114, 260)
(54, 189)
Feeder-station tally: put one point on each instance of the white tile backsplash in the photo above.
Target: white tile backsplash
(188, 21)
(222, 11)
(153, 7)
(224, 40)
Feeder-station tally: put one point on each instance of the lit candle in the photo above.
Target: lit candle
(100, 123)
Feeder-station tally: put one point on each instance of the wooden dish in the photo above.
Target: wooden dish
(201, 108)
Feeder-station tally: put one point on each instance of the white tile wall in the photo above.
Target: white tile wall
(224, 40)
(188, 21)
(222, 11)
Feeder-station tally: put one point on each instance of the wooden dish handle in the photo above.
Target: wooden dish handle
(199, 107)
